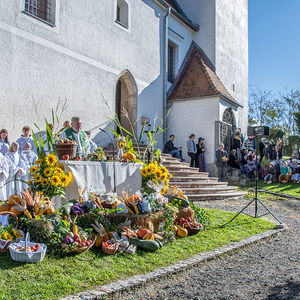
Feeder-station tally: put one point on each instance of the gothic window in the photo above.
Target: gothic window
(171, 62)
(122, 13)
(228, 117)
(41, 9)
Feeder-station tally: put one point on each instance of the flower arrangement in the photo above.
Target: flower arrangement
(49, 177)
(155, 175)
(10, 234)
(97, 155)
(120, 141)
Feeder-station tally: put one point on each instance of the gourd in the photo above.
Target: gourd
(75, 229)
(5, 207)
(99, 240)
(51, 210)
(181, 232)
(158, 242)
(14, 197)
(145, 245)
(129, 156)
(16, 212)
(142, 233)
(66, 208)
(177, 200)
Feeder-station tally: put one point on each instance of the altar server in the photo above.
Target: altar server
(4, 171)
(29, 157)
(26, 137)
(93, 145)
(17, 168)
(4, 143)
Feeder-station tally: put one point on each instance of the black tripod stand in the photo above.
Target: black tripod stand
(255, 199)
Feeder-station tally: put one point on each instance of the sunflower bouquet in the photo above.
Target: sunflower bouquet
(97, 155)
(10, 233)
(155, 177)
(49, 177)
(121, 142)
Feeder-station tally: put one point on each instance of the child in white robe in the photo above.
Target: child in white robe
(17, 168)
(26, 137)
(93, 146)
(29, 157)
(4, 171)
(4, 143)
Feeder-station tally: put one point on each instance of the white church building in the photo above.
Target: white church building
(148, 56)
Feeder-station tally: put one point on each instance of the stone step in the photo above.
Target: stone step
(184, 173)
(221, 196)
(174, 163)
(201, 178)
(210, 190)
(182, 168)
(192, 184)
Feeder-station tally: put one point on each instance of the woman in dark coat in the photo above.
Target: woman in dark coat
(237, 143)
(200, 160)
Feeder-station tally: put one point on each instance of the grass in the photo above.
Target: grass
(60, 276)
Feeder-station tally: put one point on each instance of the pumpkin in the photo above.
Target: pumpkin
(129, 156)
(134, 198)
(16, 212)
(14, 197)
(181, 232)
(51, 210)
(5, 207)
(142, 233)
(99, 240)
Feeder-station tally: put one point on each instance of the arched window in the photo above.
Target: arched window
(122, 13)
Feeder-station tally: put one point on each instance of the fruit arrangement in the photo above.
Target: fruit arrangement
(34, 248)
(189, 223)
(66, 141)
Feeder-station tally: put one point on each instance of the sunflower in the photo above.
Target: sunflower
(37, 178)
(143, 172)
(34, 169)
(39, 161)
(100, 148)
(29, 182)
(51, 160)
(64, 181)
(44, 181)
(58, 171)
(54, 180)
(157, 173)
(163, 177)
(164, 190)
(61, 166)
(70, 175)
(148, 170)
(7, 236)
(17, 234)
(122, 145)
(47, 172)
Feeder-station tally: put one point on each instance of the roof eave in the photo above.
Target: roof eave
(188, 22)
(236, 104)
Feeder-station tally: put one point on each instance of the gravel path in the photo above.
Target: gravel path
(267, 270)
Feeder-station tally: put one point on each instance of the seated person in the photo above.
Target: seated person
(264, 164)
(296, 175)
(293, 165)
(270, 173)
(250, 167)
(170, 149)
(293, 157)
(233, 161)
(284, 176)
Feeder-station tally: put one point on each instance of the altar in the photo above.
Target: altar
(98, 177)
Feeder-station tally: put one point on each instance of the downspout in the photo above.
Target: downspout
(165, 71)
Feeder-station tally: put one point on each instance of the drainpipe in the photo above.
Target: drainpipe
(165, 70)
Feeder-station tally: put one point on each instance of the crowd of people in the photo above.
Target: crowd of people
(17, 157)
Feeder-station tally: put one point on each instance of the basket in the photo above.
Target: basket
(106, 205)
(4, 243)
(112, 250)
(66, 149)
(79, 250)
(193, 231)
(26, 256)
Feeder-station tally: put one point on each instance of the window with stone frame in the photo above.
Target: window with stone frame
(122, 13)
(41, 9)
(172, 48)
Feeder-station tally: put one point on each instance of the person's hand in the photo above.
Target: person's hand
(203, 150)
(179, 148)
(194, 152)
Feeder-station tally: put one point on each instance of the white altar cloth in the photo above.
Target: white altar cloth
(99, 175)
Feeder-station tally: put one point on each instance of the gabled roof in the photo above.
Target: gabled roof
(197, 78)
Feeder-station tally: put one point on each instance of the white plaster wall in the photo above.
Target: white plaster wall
(196, 116)
(80, 60)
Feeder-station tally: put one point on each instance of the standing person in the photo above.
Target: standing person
(191, 149)
(4, 172)
(17, 168)
(241, 136)
(66, 125)
(93, 145)
(222, 158)
(170, 149)
(272, 150)
(74, 133)
(29, 157)
(26, 137)
(200, 160)
(280, 146)
(237, 143)
(4, 143)
(261, 148)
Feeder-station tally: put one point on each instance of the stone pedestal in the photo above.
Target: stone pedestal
(232, 176)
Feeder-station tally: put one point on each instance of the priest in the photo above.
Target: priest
(74, 133)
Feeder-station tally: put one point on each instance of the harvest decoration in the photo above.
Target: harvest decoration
(97, 155)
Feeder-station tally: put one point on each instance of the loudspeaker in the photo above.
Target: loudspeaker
(258, 131)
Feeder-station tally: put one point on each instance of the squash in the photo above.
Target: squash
(142, 233)
(129, 156)
(75, 229)
(181, 232)
(179, 201)
(99, 240)
(134, 198)
(5, 207)
(51, 210)
(145, 245)
(158, 242)
(14, 197)
(16, 212)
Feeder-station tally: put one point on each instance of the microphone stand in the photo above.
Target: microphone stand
(114, 167)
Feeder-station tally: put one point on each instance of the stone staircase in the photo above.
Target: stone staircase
(198, 186)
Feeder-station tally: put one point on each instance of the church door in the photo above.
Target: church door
(227, 129)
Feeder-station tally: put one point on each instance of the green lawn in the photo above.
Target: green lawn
(59, 276)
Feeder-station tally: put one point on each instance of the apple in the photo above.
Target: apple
(75, 244)
(78, 241)
(81, 245)
(78, 157)
(90, 241)
(66, 157)
(37, 246)
(83, 238)
(75, 237)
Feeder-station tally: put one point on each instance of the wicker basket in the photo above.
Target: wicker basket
(193, 231)
(83, 249)
(66, 149)
(111, 250)
(25, 256)
(4, 243)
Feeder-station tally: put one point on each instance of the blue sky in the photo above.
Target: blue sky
(274, 44)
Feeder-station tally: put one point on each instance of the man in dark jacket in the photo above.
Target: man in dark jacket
(222, 158)
(261, 147)
(170, 149)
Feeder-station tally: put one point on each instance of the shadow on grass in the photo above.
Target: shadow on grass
(286, 291)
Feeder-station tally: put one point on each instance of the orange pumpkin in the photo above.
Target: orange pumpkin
(129, 156)
(142, 233)
(134, 198)
(14, 197)
(99, 240)
(16, 212)
(5, 207)
(51, 210)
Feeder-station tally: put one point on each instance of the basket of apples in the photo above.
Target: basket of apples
(66, 149)
(78, 243)
(191, 226)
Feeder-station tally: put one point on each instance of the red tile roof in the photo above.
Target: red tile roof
(197, 78)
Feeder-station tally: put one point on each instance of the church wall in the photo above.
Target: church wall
(196, 116)
(79, 59)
